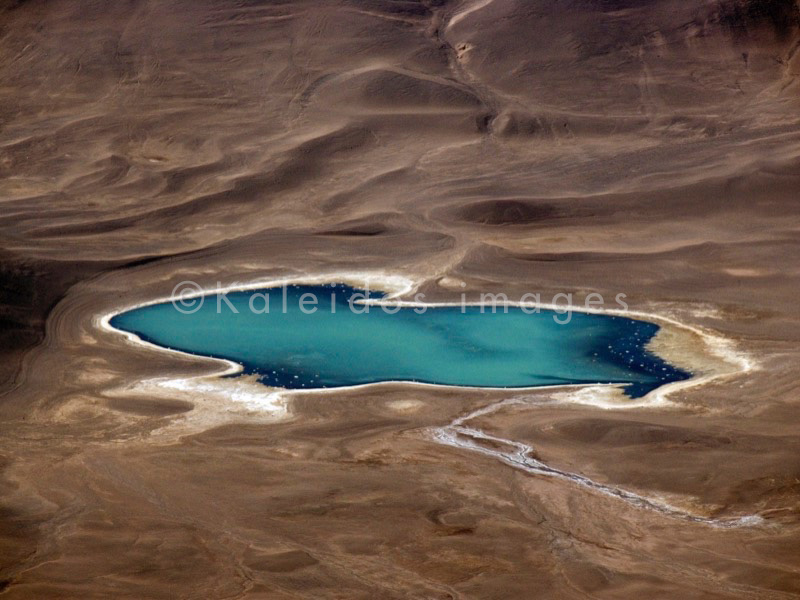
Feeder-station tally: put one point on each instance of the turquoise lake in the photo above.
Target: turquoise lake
(342, 343)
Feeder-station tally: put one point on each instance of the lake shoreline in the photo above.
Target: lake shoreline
(396, 287)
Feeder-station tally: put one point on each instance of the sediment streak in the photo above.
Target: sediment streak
(519, 456)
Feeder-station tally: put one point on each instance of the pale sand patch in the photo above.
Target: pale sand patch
(217, 401)
(605, 397)
(747, 272)
(405, 406)
(452, 283)
(476, 7)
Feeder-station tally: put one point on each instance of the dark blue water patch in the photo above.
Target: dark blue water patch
(344, 343)
(629, 348)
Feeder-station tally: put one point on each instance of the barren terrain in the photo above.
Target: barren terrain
(643, 147)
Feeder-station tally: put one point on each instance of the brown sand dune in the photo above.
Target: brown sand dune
(643, 147)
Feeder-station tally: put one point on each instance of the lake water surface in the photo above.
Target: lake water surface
(343, 343)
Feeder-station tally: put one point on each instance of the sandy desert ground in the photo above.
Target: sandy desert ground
(644, 147)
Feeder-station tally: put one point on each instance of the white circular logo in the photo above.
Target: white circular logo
(187, 297)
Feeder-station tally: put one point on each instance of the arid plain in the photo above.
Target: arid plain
(643, 147)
